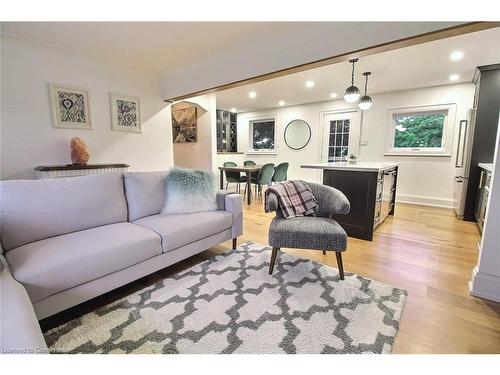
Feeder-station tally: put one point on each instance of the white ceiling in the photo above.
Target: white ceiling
(159, 46)
(192, 56)
(422, 65)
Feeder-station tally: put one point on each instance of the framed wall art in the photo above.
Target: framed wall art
(184, 125)
(125, 113)
(70, 107)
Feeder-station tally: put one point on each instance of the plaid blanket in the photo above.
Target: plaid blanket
(294, 199)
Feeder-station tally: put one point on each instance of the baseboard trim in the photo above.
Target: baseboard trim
(484, 285)
(424, 201)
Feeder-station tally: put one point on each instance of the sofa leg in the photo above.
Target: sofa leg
(273, 259)
(235, 243)
(340, 264)
(324, 252)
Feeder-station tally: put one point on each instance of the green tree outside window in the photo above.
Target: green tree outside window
(419, 130)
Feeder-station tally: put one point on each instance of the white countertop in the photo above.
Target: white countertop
(486, 166)
(362, 166)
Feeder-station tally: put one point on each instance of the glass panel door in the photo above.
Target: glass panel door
(338, 145)
(340, 136)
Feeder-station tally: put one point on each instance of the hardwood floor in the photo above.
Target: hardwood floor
(428, 252)
(425, 250)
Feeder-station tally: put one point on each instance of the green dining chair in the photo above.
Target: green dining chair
(264, 177)
(233, 177)
(280, 172)
(251, 163)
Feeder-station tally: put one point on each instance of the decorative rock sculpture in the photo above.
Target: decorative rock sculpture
(80, 154)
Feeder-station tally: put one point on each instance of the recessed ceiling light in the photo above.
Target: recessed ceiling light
(309, 83)
(454, 77)
(233, 110)
(281, 102)
(333, 95)
(252, 94)
(457, 55)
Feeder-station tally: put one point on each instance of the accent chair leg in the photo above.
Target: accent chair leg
(273, 259)
(338, 254)
(235, 243)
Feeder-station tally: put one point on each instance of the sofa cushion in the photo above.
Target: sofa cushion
(32, 210)
(58, 263)
(181, 229)
(189, 190)
(145, 192)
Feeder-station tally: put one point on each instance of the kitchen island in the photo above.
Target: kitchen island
(370, 188)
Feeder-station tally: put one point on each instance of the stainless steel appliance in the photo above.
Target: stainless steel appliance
(463, 162)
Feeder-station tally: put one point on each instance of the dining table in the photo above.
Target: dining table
(248, 169)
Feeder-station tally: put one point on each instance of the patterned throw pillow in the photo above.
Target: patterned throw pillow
(189, 190)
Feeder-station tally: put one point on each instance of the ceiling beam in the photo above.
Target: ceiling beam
(384, 47)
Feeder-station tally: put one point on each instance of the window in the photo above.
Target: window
(420, 131)
(338, 145)
(262, 134)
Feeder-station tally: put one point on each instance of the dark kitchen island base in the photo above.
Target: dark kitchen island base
(370, 188)
(372, 196)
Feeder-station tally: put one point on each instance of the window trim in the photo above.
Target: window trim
(447, 138)
(251, 121)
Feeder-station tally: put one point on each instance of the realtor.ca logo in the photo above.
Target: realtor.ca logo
(24, 351)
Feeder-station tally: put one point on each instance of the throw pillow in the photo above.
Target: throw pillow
(189, 190)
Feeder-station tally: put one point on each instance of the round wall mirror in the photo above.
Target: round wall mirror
(297, 134)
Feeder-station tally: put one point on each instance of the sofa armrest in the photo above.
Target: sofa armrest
(234, 204)
(19, 329)
(221, 198)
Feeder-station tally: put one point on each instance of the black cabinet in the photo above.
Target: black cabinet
(372, 195)
(487, 104)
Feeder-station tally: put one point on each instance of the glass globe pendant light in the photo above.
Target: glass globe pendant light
(365, 102)
(352, 94)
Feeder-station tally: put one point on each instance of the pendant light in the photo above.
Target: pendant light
(352, 92)
(365, 102)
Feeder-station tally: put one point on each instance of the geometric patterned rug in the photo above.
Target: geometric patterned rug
(229, 304)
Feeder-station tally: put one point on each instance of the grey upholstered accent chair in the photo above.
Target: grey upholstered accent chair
(318, 232)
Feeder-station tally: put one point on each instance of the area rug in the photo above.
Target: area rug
(229, 304)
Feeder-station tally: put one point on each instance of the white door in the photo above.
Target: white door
(341, 132)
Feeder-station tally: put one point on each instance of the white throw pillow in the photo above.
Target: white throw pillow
(189, 190)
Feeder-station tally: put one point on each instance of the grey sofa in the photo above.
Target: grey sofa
(68, 240)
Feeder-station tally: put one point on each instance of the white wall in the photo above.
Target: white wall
(427, 180)
(28, 137)
(200, 154)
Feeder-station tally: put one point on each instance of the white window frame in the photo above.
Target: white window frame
(251, 121)
(447, 139)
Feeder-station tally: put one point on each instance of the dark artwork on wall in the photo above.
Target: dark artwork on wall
(184, 125)
(71, 107)
(127, 113)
